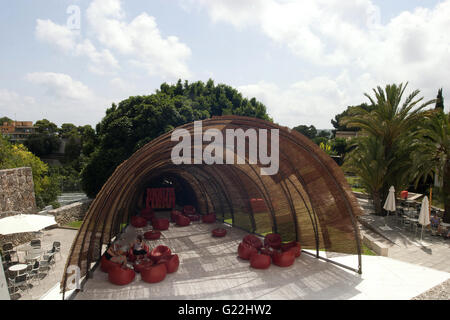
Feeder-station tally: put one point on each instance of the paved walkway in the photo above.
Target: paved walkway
(210, 269)
(38, 289)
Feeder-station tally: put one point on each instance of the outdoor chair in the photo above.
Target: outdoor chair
(57, 247)
(44, 268)
(9, 249)
(50, 259)
(34, 272)
(7, 258)
(19, 281)
(36, 243)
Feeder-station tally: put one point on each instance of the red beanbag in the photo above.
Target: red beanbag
(188, 209)
(182, 221)
(209, 218)
(121, 276)
(253, 240)
(147, 214)
(154, 273)
(172, 262)
(267, 251)
(293, 246)
(106, 264)
(138, 222)
(152, 235)
(174, 214)
(219, 232)
(283, 259)
(142, 264)
(193, 217)
(159, 252)
(260, 261)
(160, 223)
(273, 240)
(245, 251)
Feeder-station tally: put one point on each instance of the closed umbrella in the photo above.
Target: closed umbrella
(389, 205)
(424, 217)
(25, 223)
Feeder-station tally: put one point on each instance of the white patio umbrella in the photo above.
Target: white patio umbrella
(389, 205)
(424, 217)
(25, 223)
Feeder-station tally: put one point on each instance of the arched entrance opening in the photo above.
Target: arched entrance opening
(307, 200)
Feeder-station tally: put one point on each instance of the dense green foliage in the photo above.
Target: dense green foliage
(340, 126)
(46, 185)
(440, 100)
(384, 157)
(5, 119)
(137, 120)
(45, 140)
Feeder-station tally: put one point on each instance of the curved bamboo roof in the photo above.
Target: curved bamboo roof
(308, 200)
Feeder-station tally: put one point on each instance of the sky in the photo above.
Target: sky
(69, 60)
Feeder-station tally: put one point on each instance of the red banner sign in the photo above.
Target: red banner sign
(160, 198)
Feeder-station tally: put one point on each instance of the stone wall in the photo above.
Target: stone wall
(72, 212)
(17, 190)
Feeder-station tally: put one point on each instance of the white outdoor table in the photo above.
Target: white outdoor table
(18, 267)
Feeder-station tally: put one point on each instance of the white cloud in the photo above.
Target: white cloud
(140, 40)
(61, 86)
(11, 102)
(70, 42)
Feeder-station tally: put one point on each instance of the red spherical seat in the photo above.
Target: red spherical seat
(245, 251)
(273, 240)
(138, 222)
(172, 262)
(188, 209)
(253, 240)
(182, 221)
(159, 252)
(209, 218)
(193, 217)
(147, 214)
(121, 276)
(219, 232)
(152, 235)
(160, 223)
(260, 261)
(106, 264)
(141, 265)
(174, 214)
(283, 259)
(155, 273)
(294, 246)
(267, 251)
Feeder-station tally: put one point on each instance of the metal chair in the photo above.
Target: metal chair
(34, 272)
(8, 248)
(36, 243)
(19, 281)
(57, 247)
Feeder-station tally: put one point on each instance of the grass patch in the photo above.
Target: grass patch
(75, 224)
(366, 251)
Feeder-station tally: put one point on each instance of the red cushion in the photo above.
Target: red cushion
(273, 240)
(267, 251)
(245, 251)
(182, 221)
(106, 264)
(294, 246)
(193, 217)
(121, 276)
(172, 262)
(147, 214)
(160, 223)
(188, 209)
(138, 222)
(253, 240)
(160, 251)
(219, 232)
(142, 264)
(174, 214)
(260, 261)
(152, 235)
(209, 218)
(154, 273)
(283, 259)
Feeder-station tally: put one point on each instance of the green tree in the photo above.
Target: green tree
(137, 120)
(46, 186)
(308, 131)
(339, 126)
(433, 154)
(439, 100)
(5, 119)
(392, 127)
(45, 140)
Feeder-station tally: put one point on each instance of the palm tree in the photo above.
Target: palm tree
(433, 155)
(390, 129)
